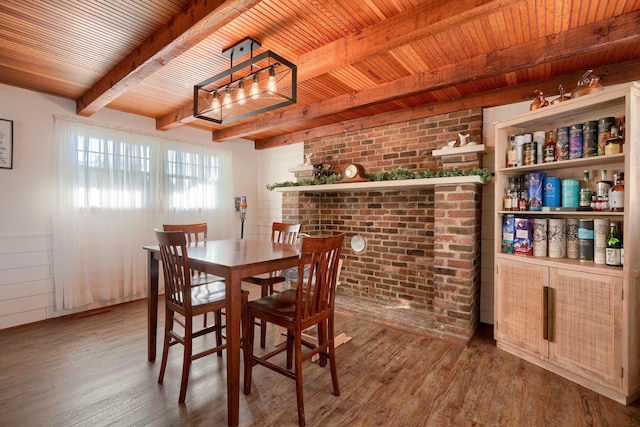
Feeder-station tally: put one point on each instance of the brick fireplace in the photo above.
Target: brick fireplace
(422, 261)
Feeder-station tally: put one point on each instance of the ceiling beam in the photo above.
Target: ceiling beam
(422, 21)
(610, 75)
(182, 32)
(596, 37)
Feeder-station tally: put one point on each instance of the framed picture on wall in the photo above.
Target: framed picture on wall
(6, 144)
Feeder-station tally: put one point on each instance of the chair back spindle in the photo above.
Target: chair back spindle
(177, 277)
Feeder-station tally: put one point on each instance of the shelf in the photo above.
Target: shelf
(404, 184)
(563, 213)
(565, 263)
(575, 163)
(458, 150)
(301, 168)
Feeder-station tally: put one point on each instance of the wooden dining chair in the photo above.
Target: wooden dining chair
(195, 234)
(189, 301)
(280, 233)
(310, 303)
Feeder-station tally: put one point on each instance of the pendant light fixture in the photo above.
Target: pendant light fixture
(223, 98)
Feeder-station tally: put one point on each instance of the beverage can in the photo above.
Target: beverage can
(604, 133)
(575, 141)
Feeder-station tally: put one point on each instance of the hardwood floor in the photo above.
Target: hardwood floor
(92, 370)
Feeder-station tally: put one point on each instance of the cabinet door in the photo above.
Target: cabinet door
(519, 305)
(587, 325)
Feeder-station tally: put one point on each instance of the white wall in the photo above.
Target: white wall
(274, 165)
(26, 287)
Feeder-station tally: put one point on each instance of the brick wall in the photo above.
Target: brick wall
(422, 245)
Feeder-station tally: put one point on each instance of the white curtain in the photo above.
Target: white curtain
(112, 188)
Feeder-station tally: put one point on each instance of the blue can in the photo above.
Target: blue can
(551, 192)
(570, 193)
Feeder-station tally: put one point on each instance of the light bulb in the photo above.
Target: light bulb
(241, 97)
(255, 88)
(226, 101)
(215, 104)
(271, 83)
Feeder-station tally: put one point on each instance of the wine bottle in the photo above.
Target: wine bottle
(585, 192)
(614, 247)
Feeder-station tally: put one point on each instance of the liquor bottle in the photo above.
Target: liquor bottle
(602, 192)
(550, 148)
(613, 144)
(512, 154)
(508, 196)
(523, 200)
(616, 194)
(585, 192)
(614, 247)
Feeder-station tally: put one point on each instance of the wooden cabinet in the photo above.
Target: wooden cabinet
(577, 319)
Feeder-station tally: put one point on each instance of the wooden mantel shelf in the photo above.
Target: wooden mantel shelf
(404, 184)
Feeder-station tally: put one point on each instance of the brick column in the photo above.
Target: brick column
(457, 218)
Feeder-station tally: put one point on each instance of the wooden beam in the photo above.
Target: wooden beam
(599, 36)
(610, 75)
(182, 32)
(422, 21)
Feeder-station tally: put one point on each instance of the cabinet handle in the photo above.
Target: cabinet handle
(550, 314)
(547, 313)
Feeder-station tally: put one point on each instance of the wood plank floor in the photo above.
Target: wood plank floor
(91, 370)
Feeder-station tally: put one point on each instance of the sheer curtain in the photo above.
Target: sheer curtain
(112, 188)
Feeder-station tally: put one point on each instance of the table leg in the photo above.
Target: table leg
(152, 305)
(234, 307)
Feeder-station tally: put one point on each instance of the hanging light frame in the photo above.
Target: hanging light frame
(209, 96)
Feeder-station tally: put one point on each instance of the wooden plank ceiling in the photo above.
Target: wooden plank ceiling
(380, 59)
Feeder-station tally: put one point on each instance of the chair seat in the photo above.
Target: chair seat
(207, 293)
(282, 304)
(266, 279)
(202, 279)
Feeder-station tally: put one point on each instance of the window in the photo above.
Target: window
(112, 188)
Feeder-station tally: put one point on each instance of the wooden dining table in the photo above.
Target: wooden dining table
(232, 259)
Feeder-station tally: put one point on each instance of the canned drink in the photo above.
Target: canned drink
(575, 141)
(570, 193)
(604, 133)
(585, 240)
(539, 140)
(562, 143)
(590, 138)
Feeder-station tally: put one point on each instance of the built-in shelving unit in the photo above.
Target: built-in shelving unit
(577, 319)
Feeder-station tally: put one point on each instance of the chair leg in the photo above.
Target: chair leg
(298, 373)
(290, 350)
(186, 358)
(218, 316)
(264, 291)
(168, 325)
(322, 342)
(332, 357)
(247, 348)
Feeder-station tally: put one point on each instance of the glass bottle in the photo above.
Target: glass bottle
(585, 192)
(613, 144)
(507, 205)
(613, 252)
(512, 154)
(550, 148)
(602, 192)
(523, 201)
(616, 194)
